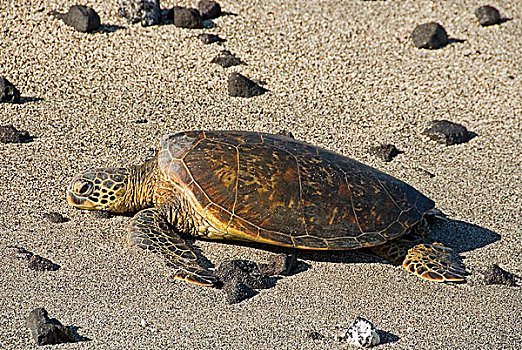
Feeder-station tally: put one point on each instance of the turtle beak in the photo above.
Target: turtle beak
(79, 202)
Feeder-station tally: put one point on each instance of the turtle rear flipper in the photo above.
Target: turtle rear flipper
(430, 261)
(149, 230)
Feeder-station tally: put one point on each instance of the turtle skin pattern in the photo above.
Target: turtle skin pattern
(149, 230)
(273, 189)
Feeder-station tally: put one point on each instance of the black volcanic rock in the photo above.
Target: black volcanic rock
(9, 134)
(185, 17)
(448, 133)
(207, 38)
(8, 92)
(81, 18)
(429, 36)
(226, 59)
(209, 9)
(47, 330)
(487, 15)
(241, 86)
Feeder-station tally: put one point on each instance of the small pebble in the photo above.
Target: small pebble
(8, 92)
(209, 9)
(141, 121)
(425, 172)
(314, 335)
(47, 331)
(361, 333)
(147, 12)
(81, 18)
(241, 86)
(287, 134)
(448, 133)
(185, 17)
(385, 152)
(9, 134)
(429, 36)
(226, 59)
(497, 275)
(207, 38)
(487, 15)
(55, 217)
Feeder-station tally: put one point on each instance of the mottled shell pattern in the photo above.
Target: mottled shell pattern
(274, 189)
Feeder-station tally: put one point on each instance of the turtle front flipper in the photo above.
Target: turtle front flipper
(430, 261)
(150, 230)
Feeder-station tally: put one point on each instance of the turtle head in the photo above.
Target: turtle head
(100, 189)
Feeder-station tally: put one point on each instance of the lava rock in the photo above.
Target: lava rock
(244, 271)
(81, 18)
(185, 17)
(497, 275)
(8, 92)
(147, 12)
(209, 9)
(241, 86)
(361, 333)
(210, 38)
(226, 59)
(386, 152)
(9, 134)
(35, 262)
(236, 291)
(47, 330)
(240, 278)
(448, 133)
(487, 15)
(429, 36)
(55, 217)
(279, 264)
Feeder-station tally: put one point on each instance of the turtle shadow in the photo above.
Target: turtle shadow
(461, 236)
(458, 235)
(201, 259)
(333, 256)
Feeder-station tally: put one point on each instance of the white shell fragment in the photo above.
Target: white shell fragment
(361, 333)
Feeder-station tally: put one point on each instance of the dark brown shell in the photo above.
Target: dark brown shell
(277, 190)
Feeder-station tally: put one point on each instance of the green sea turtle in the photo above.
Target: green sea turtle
(272, 189)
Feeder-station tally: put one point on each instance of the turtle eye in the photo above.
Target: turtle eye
(83, 188)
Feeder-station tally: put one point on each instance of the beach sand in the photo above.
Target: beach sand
(343, 75)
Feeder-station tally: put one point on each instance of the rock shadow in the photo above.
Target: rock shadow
(73, 330)
(27, 99)
(109, 28)
(387, 337)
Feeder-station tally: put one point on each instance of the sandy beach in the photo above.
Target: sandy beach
(343, 75)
